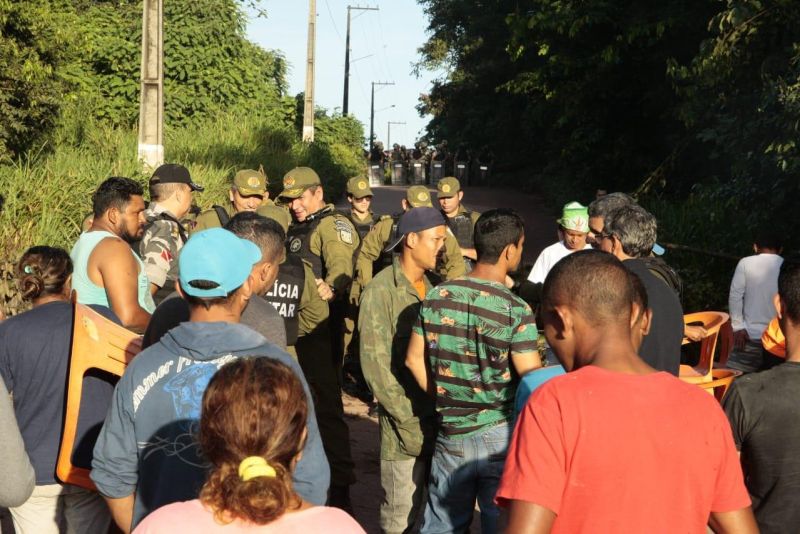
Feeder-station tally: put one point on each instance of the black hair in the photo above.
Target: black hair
(266, 233)
(769, 238)
(639, 293)
(43, 271)
(206, 302)
(789, 290)
(594, 283)
(115, 192)
(494, 231)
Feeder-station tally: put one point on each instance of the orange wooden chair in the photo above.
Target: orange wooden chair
(97, 343)
(712, 321)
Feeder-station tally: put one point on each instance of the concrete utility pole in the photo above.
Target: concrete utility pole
(389, 132)
(372, 113)
(346, 97)
(151, 100)
(308, 108)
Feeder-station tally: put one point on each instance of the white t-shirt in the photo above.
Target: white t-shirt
(549, 257)
(755, 282)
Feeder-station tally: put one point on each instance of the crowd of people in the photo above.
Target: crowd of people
(551, 402)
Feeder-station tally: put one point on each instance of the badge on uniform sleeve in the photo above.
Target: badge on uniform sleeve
(344, 231)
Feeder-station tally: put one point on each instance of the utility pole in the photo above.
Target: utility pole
(308, 108)
(151, 99)
(389, 132)
(372, 112)
(346, 97)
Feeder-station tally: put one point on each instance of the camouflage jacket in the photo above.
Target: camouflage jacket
(389, 308)
(162, 241)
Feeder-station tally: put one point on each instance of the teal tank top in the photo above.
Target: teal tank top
(88, 291)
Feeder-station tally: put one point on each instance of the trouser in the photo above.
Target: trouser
(747, 359)
(462, 471)
(323, 374)
(404, 484)
(56, 508)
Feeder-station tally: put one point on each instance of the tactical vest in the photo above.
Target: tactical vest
(462, 227)
(298, 240)
(286, 293)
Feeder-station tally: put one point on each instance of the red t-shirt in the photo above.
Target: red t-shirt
(612, 452)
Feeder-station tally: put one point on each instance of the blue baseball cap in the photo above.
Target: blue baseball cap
(415, 220)
(219, 256)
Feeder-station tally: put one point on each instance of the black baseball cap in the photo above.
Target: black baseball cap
(173, 173)
(416, 220)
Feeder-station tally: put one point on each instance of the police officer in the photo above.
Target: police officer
(372, 249)
(460, 220)
(359, 196)
(171, 189)
(326, 240)
(247, 193)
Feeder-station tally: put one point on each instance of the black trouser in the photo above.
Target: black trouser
(323, 374)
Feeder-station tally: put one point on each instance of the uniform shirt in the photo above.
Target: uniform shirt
(615, 452)
(389, 307)
(764, 412)
(754, 283)
(549, 257)
(472, 328)
(160, 246)
(378, 239)
(210, 218)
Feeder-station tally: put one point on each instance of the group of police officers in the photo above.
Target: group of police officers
(331, 255)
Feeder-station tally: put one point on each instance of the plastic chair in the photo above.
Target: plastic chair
(97, 343)
(721, 381)
(712, 321)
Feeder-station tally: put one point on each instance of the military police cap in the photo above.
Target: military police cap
(298, 180)
(250, 182)
(358, 187)
(418, 196)
(448, 187)
(173, 173)
(276, 213)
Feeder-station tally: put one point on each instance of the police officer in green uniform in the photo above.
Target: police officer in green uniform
(326, 240)
(247, 193)
(460, 220)
(372, 249)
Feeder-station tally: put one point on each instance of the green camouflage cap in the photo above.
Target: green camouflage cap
(358, 186)
(250, 182)
(448, 187)
(418, 196)
(276, 213)
(298, 180)
(575, 217)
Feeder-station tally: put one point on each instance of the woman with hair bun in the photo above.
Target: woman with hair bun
(252, 432)
(34, 360)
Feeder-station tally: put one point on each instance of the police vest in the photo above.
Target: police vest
(286, 293)
(462, 228)
(298, 240)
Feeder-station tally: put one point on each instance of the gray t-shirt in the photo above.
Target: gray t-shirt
(259, 315)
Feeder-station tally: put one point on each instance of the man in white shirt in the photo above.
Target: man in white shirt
(573, 227)
(755, 282)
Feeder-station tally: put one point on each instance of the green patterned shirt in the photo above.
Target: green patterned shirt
(471, 328)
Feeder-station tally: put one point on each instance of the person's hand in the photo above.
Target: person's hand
(325, 291)
(694, 332)
(740, 339)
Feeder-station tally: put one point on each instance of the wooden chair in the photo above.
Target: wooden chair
(712, 321)
(97, 343)
(720, 382)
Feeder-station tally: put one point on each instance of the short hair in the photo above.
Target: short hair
(789, 290)
(494, 231)
(594, 283)
(43, 271)
(769, 238)
(207, 302)
(604, 205)
(114, 192)
(266, 233)
(635, 227)
(252, 407)
(164, 191)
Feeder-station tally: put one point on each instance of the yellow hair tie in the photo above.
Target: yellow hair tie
(254, 467)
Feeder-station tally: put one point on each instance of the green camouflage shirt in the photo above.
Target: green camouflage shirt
(471, 328)
(160, 245)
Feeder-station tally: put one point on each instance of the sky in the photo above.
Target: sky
(383, 48)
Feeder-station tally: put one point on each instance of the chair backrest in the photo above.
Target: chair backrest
(97, 343)
(712, 321)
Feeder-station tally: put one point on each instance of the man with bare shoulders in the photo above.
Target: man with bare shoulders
(107, 271)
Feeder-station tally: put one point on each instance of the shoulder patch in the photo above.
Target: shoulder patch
(345, 231)
(295, 244)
